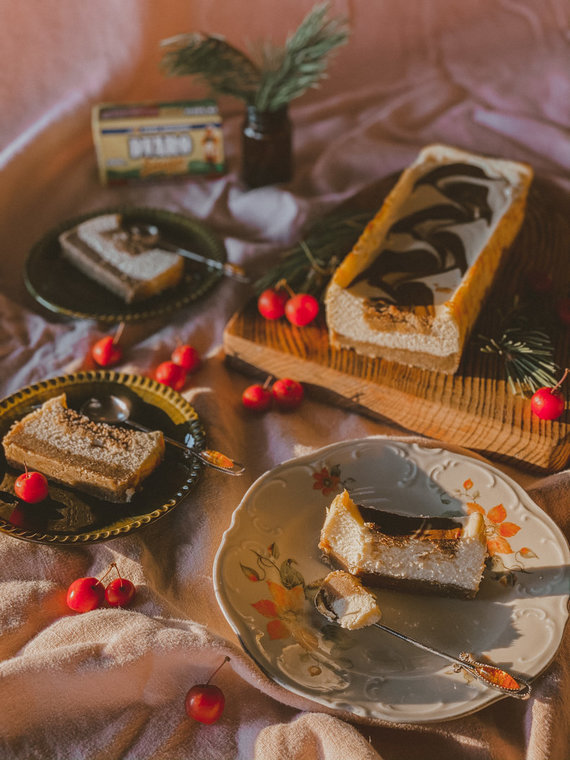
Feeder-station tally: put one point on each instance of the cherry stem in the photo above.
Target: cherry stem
(562, 379)
(112, 565)
(267, 382)
(226, 659)
(118, 334)
(284, 285)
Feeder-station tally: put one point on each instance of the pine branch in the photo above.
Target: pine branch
(525, 347)
(308, 265)
(221, 66)
(283, 73)
(303, 61)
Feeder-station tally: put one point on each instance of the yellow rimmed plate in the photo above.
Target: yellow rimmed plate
(60, 287)
(69, 517)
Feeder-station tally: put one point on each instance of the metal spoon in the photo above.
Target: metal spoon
(115, 409)
(149, 236)
(489, 674)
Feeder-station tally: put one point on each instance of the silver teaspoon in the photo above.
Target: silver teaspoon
(491, 675)
(148, 235)
(117, 409)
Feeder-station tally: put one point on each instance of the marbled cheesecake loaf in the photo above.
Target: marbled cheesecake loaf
(434, 554)
(106, 253)
(102, 460)
(412, 287)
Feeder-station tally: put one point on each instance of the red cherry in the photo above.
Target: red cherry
(271, 303)
(171, 374)
(257, 398)
(187, 357)
(106, 352)
(301, 309)
(119, 592)
(205, 702)
(85, 594)
(31, 487)
(287, 393)
(563, 310)
(548, 403)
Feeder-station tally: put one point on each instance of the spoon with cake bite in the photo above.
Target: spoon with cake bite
(148, 236)
(117, 409)
(342, 599)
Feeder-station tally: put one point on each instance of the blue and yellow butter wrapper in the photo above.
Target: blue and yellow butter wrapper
(151, 141)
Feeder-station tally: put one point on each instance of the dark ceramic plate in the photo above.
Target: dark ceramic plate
(60, 287)
(70, 517)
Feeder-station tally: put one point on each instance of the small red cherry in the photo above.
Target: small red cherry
(548, 403)
(563, 310)
(287, 393)
(187, 357)
(301, 309)
(31, 487)
(205, 702)
(271, 303)
(257, 398)
(119, 592)
(106, 352)
(171, 374)
(85, 594)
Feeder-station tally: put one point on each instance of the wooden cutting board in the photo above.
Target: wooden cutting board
(474, 408)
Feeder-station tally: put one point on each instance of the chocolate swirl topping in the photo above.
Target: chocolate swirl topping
(448, 207)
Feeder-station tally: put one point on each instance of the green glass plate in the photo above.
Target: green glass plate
(70, 517)
(60, 287)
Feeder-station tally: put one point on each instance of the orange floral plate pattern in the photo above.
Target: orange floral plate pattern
(268, 567)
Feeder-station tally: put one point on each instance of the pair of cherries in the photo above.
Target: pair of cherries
(86, 594)
(184, 360)
(300, 309)
(286, 393)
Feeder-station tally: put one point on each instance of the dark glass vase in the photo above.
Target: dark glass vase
(267, 155)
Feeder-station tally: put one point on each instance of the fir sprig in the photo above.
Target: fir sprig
(302, 63)
(281, 73)
(307, 266)
(525, 347)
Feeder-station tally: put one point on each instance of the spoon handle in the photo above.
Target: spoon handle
(490, 674)
(231, 270)
(209, 457)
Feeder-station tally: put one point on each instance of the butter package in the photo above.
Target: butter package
(149, 141)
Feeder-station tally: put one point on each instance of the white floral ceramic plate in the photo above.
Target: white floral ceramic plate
(268, 560)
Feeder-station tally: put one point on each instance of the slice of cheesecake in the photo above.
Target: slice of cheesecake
(423, 554)
(103, 460)
(106, 253)
(353, 605)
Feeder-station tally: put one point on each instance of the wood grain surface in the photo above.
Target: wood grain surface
(475, 407)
